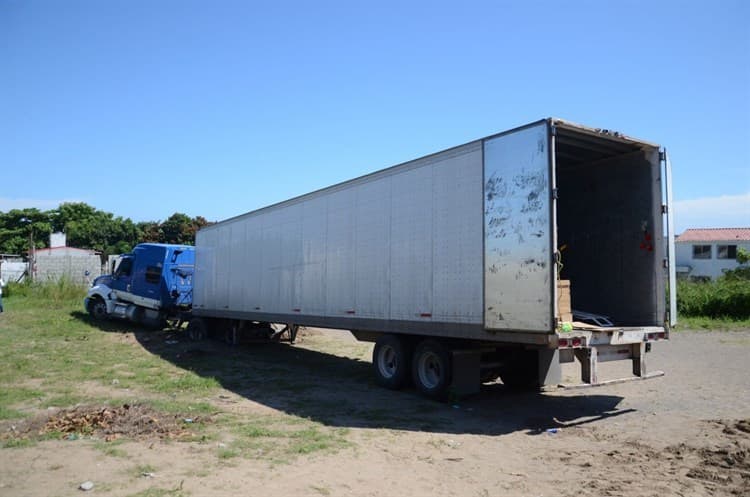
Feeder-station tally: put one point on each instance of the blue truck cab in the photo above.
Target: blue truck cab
(150, 285)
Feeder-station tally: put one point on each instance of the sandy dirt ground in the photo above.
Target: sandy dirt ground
(686, 433)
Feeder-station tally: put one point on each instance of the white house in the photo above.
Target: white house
(704, 253)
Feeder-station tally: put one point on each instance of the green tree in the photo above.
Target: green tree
(89, 228)
(17, 226)
(743, 255)
(181, 228)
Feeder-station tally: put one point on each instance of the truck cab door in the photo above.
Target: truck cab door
(671, 318)
(122, 277)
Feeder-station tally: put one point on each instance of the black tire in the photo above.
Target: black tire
(197, 329)
(431, 369)
(97, 309)
(390, 361)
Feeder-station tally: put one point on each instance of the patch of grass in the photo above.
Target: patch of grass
(142, 469)
(313, 439)
(52, 355)
(162, 492)
(65, 399)
(47, 337)
(17, 443)
(281, 438)
(47, 292)
(183, 407)
(7, 413)
(187, 383)
(111, 449)
(713, 324)
(321, 490)
(227, 453)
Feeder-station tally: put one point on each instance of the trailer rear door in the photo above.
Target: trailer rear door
(672, 287)
(518, 277)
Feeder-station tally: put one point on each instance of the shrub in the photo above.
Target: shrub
(727, 297)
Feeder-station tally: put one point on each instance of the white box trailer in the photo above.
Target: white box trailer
(450, 263)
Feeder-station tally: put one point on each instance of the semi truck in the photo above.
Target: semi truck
(152, 285)
(500, 258)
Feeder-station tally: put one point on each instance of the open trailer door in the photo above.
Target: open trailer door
(518, 274)
(671, 318)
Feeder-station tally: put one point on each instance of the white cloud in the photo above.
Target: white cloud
(7, 203)
(726, 211)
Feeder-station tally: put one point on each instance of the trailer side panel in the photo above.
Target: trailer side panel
(404, 245)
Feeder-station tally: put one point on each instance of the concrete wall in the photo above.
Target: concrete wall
(12, 270)
(711, 268)
(53, 265)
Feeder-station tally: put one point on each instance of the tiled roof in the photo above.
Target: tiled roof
(70, 249)
(714, 234)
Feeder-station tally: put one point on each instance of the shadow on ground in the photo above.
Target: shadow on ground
(340, 391)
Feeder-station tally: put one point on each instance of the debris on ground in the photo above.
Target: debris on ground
(110, 423)
(86, 486)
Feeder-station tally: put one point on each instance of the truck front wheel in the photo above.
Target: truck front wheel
(390, 361)
(431, 369)
(97, 309)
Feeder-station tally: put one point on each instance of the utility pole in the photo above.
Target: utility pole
(32, 255)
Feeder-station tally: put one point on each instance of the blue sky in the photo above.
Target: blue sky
(145, 108)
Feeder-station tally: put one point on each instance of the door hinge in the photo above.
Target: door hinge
(664, 208)
(665, 263)
(662, 155)
(553, 130)
(554, 193)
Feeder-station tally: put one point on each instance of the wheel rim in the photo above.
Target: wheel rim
(99, 309)
(387, 361)
(430, 370)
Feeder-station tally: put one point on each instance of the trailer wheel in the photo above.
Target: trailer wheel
(431, 369)
(197, 329)
(390, 361)
(97, 309)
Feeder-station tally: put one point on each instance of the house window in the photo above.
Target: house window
(153, 274)
(726, 251)
(701, 251)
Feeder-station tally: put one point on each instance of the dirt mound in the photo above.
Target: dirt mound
(129, 421)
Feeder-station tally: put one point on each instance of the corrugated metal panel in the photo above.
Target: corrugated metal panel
(411, 244)
(457, 256)
(517, 275)
(373, 249)
(235, 286)
(270, 263)
(205, 251)
(406, 245)
(340, 256)
(312, 296)
(250, 270)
